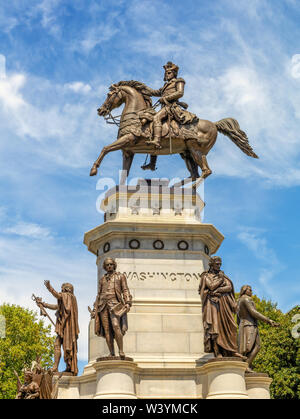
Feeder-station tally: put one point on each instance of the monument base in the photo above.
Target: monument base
(120, 379)
(161, 245)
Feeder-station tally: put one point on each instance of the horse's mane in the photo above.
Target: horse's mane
(140, 87)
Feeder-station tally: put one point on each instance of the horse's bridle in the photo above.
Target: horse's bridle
(109, 118)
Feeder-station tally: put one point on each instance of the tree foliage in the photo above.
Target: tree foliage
(279, 355)
(26, 338)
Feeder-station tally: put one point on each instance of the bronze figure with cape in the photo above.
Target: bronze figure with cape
(218, 309)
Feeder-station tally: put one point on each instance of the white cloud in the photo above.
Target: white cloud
(242, 87)
(95, 36)
(295, 66)
(78, 87)
(29, 230)
(2, 66)
(10, 95)
(251, 237)
(64, 129)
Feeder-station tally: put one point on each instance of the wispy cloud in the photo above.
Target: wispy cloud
(29, 230)
(271, 266)
(78, 87)
(295, 66)
(95, 36)
(63, 128)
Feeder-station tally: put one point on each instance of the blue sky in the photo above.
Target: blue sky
(57, 59)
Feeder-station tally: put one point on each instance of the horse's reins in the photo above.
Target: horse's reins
(111, 119)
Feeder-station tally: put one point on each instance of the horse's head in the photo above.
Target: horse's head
(114, 100)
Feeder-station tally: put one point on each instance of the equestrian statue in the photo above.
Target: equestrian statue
(171, 130)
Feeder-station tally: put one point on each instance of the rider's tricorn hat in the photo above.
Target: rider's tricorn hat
(171, 66)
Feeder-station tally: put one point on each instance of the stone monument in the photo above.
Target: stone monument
(155, 234)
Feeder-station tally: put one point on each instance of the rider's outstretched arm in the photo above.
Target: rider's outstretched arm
(154, 92)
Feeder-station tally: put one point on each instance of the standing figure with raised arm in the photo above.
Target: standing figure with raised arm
(112, 304)
(248, 316)
(66, 326)
(218, 309)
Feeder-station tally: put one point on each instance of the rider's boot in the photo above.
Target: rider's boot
(151, 165)
(157, 130)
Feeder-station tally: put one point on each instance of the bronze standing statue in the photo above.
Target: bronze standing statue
(112, 304)
(171, 130)
(218, 308)
(66, 326)
(248, 316)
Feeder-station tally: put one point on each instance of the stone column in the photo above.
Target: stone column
(115, 379)
(258, 385)
(225, 378)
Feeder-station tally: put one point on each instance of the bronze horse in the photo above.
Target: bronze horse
(192, 141)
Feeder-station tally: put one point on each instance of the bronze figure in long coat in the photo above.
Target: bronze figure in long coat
(169, 94)
(218, 309)
(248, 316)
(66, 327)
(112, 304)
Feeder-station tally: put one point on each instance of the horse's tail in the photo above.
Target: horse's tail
(230, 127)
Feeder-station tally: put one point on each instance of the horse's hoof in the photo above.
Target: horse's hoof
(206, 173)
(93, 171)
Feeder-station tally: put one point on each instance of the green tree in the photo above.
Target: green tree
(279, 356)
(26, 337)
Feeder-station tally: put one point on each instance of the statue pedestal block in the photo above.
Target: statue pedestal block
(225, 378)
(115, 380)
(156, 236)
(216, 379)
(258, 385)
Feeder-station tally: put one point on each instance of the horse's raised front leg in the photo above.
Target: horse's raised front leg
(127, 162)
(116, 145)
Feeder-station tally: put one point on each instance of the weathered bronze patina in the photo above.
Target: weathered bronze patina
(112, 304)
(218, 308)
(30, 388)
(248, 316)
(38, 383)
(66, 326)
(170, 130)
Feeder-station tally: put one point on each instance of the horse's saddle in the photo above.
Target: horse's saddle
(146, 118)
